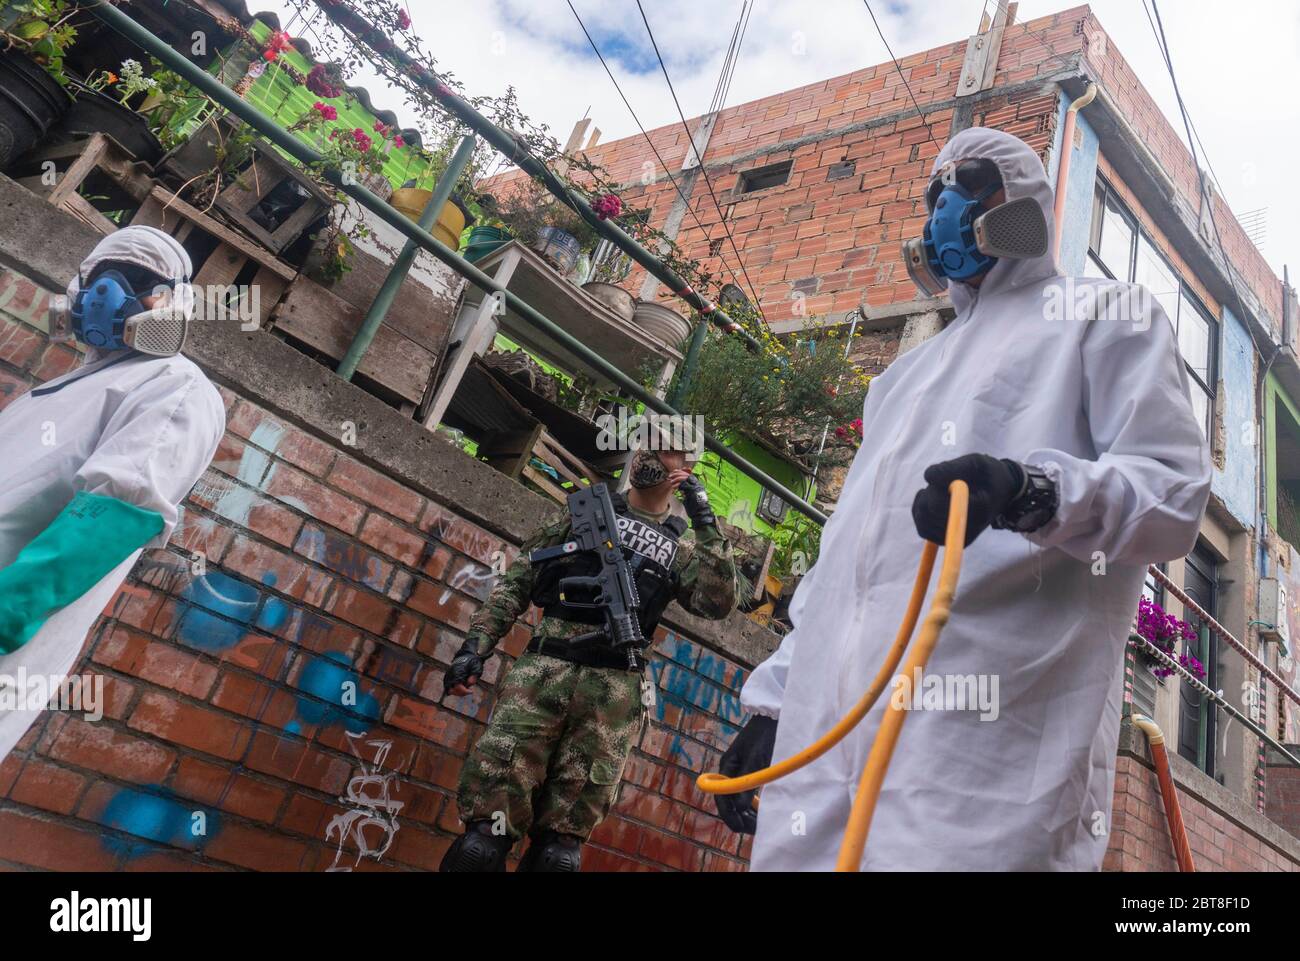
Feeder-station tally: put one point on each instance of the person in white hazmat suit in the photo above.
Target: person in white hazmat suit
(1073, 428)
(94, 464)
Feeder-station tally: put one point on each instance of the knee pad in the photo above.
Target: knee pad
(551, 852)
(477, 851)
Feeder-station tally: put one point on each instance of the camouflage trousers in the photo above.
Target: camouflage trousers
(553, 753)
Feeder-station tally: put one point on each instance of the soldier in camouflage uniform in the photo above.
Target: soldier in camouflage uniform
(550, 761)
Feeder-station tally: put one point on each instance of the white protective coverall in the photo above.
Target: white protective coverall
(1102, 406)
(123, 425)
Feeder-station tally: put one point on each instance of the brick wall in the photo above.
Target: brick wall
(1225, 833)
(830, 236)
(293, 678)
(1282, 790)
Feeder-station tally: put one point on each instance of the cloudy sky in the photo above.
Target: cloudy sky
(1235, 64)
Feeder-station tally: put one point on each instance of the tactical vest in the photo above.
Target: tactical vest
(650, 549)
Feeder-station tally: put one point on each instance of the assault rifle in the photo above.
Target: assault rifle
(595, 528)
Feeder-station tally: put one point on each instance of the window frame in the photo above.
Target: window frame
(1104, 192)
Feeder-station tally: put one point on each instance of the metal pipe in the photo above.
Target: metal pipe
(1063, 169)
(1201, 688)
(690, 364)
(352, 22)
(402, 265)
(1168, 792)
(227, 98)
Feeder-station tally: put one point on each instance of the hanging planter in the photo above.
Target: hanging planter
(31, 101)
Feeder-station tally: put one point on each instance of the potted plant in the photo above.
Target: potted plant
(101, 106)
(1164, 631)
(785, 398)
(549, 226)
(35, 35)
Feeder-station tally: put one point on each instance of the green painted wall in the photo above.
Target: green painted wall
(278, 95)
(1288, 418)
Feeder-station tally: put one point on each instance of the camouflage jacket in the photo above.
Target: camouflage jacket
(704, 566)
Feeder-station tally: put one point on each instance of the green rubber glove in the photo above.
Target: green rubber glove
(90, 537)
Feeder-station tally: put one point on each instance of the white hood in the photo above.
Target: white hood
(1022, 176)
(146, 247)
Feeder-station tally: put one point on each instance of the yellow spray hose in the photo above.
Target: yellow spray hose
(873, 775)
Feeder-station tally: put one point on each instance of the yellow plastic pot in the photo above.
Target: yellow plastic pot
(451, 219)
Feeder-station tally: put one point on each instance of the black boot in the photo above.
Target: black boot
(477, 851)
(552, 852)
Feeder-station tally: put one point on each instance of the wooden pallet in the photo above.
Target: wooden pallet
(99, 165)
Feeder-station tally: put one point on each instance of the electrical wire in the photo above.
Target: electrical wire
(708, 182)
(1206, 199)
(655, 150)
(901, 75)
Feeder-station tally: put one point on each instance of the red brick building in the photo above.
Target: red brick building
(335, 545)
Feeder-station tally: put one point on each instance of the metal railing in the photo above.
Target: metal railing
(301, 151)
(1246, 653)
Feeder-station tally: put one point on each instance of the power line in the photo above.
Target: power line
(731, 72)
(901, 76)
(726, 61)
(1164, 55)
(708, 182)
(659, 157)
(1205, 198)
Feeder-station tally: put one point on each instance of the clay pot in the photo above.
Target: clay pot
(614, 297)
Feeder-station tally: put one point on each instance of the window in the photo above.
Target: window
(1152, 589)
(1196, 716)
(760, 178)
(1117, 248)
(771, 508)
(1284, 468)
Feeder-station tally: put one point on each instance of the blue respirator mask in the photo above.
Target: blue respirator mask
(107, 314)
(961, 240)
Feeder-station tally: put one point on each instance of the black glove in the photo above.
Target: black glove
(994, 486)
(696, 500)
(750, 751)
(466, 665)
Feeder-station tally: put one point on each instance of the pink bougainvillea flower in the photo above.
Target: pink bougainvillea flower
(607, 205)
(320, 82)
(403, 19)
(398, 141)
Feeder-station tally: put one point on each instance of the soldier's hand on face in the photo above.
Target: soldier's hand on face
(696, 501)
(678, 477)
